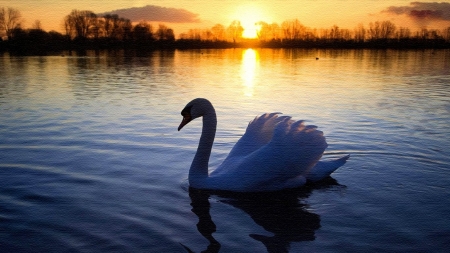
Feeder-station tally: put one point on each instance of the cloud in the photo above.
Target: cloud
(432, 11)
(156, 13)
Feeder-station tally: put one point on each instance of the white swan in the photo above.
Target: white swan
(275, 153)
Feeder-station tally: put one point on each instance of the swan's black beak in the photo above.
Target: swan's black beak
(186, 119)
(186, 113)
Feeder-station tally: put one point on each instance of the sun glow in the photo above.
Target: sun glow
(249, 15)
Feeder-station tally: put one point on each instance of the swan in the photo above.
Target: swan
(275, 153)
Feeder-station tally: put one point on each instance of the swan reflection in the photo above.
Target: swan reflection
(281, 213)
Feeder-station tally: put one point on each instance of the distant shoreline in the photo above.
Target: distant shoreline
(85, 30)
(27, 47)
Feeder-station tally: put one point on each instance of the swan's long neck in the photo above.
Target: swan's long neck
(199, 166)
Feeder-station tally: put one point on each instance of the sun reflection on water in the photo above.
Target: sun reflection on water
(250, 63)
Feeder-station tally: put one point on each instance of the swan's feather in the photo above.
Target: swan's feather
(323, 169)
(259, 132)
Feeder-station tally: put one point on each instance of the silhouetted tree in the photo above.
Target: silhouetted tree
(9, 20)
(275, 31)
(195, 34)
(200, 34)
(207, 35)
(381, 30)
(96, 29)
(268, 32)
(235, 31)
(56, 37)
(334, 33)
(37, 25)
(264, 31)
(446, 34)
(164, 33)
(293, 29)
(81, 24)
(115, 27)
(109, 25)
(429, 34)
(387, 29)
(18, 35)
(403, 33)
(125, 30)
(143, 32)
(218, 32)
(38, 35)
(360, 33)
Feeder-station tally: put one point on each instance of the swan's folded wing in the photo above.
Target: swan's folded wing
(281, 163)
(297, 147)
(259, 132)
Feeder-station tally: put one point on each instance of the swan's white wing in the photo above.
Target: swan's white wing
(259, 132)
(282, 162)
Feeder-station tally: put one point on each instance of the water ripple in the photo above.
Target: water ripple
(91, 161)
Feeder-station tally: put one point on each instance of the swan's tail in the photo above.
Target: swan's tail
(323, 169)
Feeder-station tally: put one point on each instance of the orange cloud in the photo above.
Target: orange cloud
(156, 13)
(420, 11)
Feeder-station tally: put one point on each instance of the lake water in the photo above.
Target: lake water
(91, 159)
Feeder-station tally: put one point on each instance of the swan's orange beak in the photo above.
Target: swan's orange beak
(186, 119)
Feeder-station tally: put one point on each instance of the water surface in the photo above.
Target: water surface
(91, 160)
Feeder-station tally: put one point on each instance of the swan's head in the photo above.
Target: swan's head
(196, 108)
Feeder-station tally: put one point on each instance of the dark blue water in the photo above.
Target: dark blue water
(91, 160)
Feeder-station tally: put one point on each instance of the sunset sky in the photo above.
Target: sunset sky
(182, 15)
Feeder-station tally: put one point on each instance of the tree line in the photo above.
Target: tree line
(292, 33)
(83, 29)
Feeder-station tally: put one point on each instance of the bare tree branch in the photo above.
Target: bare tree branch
(9, 20)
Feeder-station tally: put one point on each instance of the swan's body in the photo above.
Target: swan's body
(275, 153)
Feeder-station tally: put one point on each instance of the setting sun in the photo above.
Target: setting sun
(249, 15)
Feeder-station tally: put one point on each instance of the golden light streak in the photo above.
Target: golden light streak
(249, 70)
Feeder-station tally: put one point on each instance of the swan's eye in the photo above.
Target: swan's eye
(186, 115)
(186, 111)
(187, 118)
